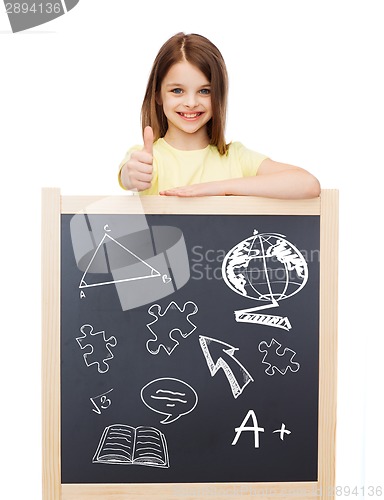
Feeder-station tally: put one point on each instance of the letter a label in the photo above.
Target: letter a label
(243, 427)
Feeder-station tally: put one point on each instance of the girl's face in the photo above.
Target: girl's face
(185, 95)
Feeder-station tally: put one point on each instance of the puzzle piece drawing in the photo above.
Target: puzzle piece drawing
(278, 358)
(173, 319)
(96, 347)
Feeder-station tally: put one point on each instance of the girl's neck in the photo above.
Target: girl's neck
(185, 141)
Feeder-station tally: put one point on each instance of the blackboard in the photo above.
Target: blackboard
(190, 347)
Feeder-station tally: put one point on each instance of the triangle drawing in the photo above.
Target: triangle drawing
(137, 268)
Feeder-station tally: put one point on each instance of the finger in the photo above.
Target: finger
(183, 192)
(141, 186)
(142, 165)
(141, 157)
(148, 140)
(141, 177)
(170, 192)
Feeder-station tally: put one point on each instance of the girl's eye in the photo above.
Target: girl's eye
(177, 91)
(205, 91)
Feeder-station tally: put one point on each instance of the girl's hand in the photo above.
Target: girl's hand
(273, 180)
(215, 188)
(137, 172)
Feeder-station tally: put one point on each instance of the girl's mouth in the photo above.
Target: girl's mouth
(190, 116)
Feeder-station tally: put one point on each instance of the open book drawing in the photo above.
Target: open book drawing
(126, 445)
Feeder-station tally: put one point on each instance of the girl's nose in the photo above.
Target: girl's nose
(190, 100)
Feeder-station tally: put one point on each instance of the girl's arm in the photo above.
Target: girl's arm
(273, 180)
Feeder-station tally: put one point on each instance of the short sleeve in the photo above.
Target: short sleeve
(249, 160)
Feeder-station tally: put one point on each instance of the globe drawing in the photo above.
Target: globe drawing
(265, 267)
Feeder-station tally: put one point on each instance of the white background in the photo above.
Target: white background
(306, 87)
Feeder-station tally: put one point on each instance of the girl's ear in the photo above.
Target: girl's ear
(158, 99)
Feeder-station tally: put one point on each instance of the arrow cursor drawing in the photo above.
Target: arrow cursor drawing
(218, 355)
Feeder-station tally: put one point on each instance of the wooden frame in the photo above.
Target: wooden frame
(53, 205)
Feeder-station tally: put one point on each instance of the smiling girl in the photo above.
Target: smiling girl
(183, 120)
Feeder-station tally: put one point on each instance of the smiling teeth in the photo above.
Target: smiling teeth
(190, 115)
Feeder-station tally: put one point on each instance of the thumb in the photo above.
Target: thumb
(148, 140)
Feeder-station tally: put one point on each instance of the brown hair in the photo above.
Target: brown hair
(203, 54)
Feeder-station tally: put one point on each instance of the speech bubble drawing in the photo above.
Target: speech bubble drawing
(169, 396)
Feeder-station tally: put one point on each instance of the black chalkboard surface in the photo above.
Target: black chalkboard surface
(189, 348)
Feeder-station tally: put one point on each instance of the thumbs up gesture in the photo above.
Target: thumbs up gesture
(137, 172)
